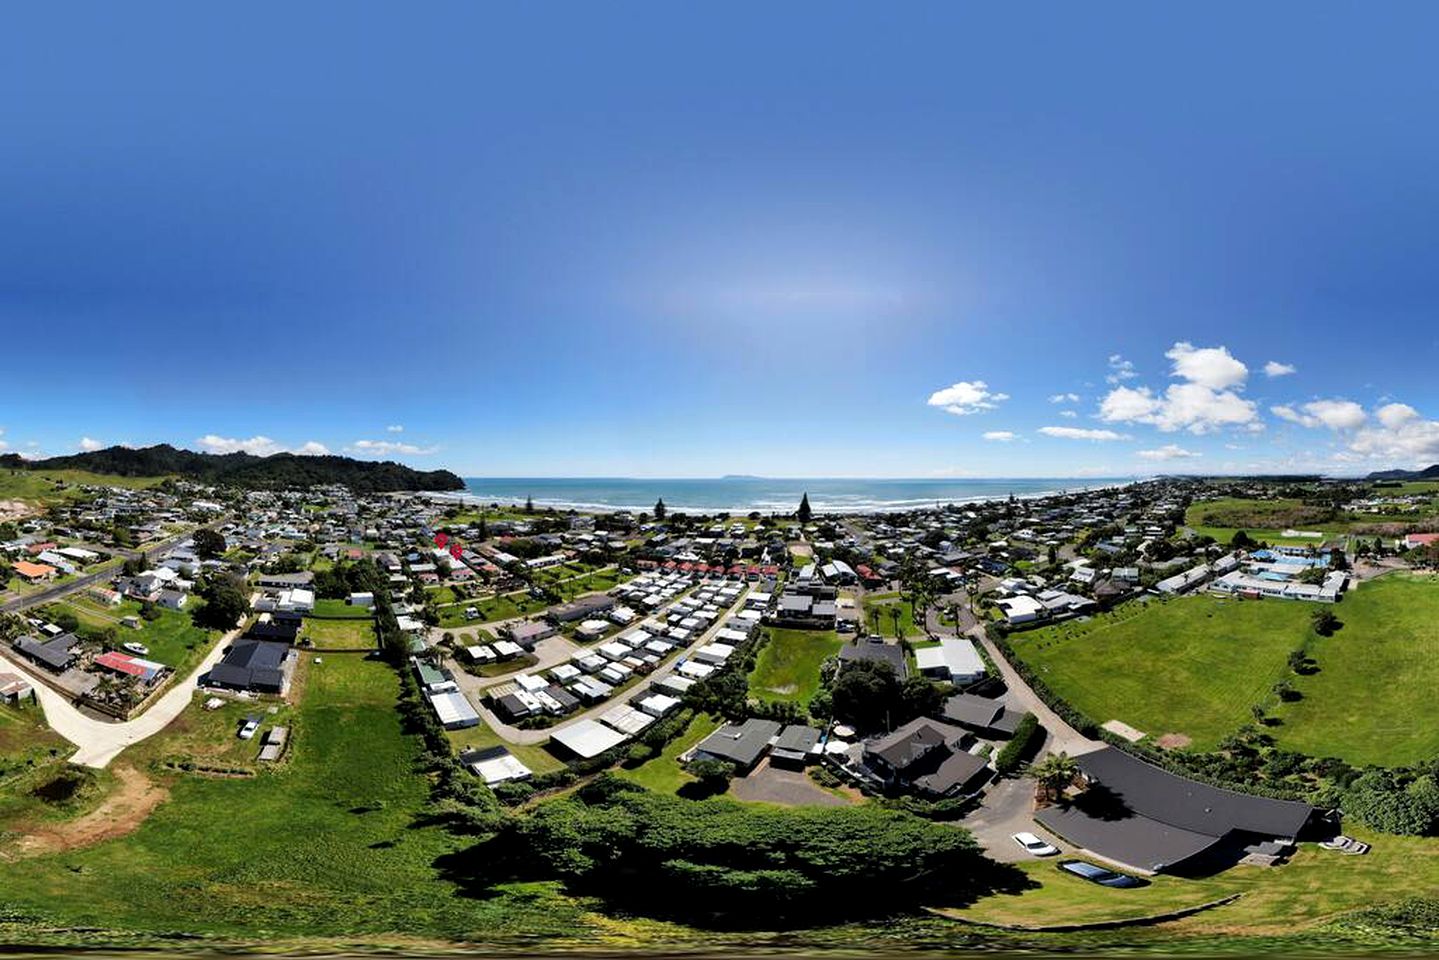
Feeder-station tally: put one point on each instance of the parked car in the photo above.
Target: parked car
(247, 731)
(1100, 875)
(1033, 845)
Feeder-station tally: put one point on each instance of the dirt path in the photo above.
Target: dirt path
(121, 813)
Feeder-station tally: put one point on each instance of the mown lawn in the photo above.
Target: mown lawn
(341, 609)
(30, 754)
(503, 607)
(534, 756)
(327, 845)
(664, 774)
(1314, 887)
(1193, 665)
(172, 637)
(787, 667)
(339, 634)
(1372, 700)
(886, 621)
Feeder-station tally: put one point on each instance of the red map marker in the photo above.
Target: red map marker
(441, 539)
(456, 550)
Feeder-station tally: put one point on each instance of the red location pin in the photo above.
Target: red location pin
(441, 539)
(456, 550)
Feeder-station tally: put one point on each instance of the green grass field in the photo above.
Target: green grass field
(172, 636)
(503, 607)
(1315, 886)
(788, 666)
(1261, 520)
(536, 757)
(339, 634)
(325, 846)
(339, 608)
(43, 487)
(1373, 696)
(664, 774)
(886, 620)
(1193, 665)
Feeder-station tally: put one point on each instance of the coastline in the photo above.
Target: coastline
(776, 496)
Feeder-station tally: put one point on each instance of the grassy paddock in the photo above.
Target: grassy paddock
(788, 666)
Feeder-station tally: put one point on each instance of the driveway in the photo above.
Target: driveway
(1008, 808)
(789, 788)
(1061, 736)
(100, 741)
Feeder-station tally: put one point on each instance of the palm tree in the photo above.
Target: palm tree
(1054, 775)
(894, 615)
(874, 620)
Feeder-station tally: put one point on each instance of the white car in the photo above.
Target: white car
(248, 730)
(1035, 846)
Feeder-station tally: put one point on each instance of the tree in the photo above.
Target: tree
(712, 777)
(1241, 541)
(1325, 622)
(226, 602)
(660, 509)
(529, 504)
(1054, 774)
(209, 544)
(804, 512)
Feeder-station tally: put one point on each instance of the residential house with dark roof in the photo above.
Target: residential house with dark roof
(927, 756)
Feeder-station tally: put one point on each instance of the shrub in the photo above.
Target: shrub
(1028, 735)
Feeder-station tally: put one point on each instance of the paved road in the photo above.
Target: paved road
(1008, 808)
(100, 741)
(51, 594)
(513, 734)
(1062, 737)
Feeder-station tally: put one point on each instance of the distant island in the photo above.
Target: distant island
(277, 471)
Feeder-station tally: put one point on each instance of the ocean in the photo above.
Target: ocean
(765, 494)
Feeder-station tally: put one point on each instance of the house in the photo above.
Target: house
(253, 665)
(587, 739)
(1021, 609)
(530, 632)
(361, 599)
(15, 689)
(55, 654)
(796, 746)
(927, 756)
(954, 659)
(452, 709)
(173, 599)
(742, 745)
(582, 609)
(981, 715)
(1148, 819)
(495, 765)
(33, 572)
(875, 649)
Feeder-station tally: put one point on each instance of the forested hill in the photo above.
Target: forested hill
(276, 471)
(1429, 473)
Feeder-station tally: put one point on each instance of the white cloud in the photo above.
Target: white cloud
(1064, 398)
(3, 445)
(1334, 414)
(1080, 433)
(966, 397)
(1201, 404)
(1170, 451)
(1001, 436)
(396, 428)
(386, 448)
(1212, 367)
(89, 445)
(1120, 369)
(1402, 436)
(260, 446)
(1069, 414)
(1276, 369)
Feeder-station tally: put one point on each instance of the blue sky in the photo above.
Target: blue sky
(665, 240)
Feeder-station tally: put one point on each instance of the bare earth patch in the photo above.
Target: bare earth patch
(14, 510)
(120, 814)
(1173, 741)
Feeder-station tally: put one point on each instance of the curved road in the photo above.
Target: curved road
(100, 741)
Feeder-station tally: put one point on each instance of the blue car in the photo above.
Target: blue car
(1099, 875)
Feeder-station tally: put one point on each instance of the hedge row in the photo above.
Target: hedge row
(1028, 735)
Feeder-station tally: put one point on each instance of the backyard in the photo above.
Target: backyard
(787, 667)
